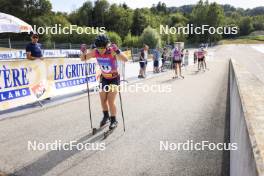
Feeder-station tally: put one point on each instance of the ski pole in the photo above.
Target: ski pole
(121, 105)
(89, 102)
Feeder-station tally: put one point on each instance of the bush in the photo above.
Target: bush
(115, 38)
(150, 37)
(131, 41)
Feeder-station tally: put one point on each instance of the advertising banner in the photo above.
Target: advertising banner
(49, 53)
(24, 81)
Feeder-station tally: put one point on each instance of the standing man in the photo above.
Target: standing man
(164, 57)
(156, 59)
(33, 49)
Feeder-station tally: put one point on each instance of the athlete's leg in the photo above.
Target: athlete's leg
(141, 70)
(202, 63)
(103, 98)
(180, 69)
(111, 102)
(175, 70)
(178, 65)
(205, 63)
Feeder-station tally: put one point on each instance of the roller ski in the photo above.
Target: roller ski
(178, 77)
(104, 123)
(112, 127)
(175, 77)
(182, 77)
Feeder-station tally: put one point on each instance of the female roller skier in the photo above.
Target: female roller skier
(106, 55)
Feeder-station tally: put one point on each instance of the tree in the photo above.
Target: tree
(199, 13)
(176, 19)
(139, 22)
(150, 37)
(13, 7)
(119, 20)
(256, 11)
(246, 26)
(198, 18)
(99, 12)
(51, 20)
(26, 9)
(215, 19)
(207, 14)
(83, 16)
(160, 8)
(35, 8)
(258, 22)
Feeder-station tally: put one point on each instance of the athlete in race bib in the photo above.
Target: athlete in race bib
(200, 55)
(177, 60)
(106, 55)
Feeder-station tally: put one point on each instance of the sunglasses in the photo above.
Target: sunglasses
(101, 50)
(35, 37)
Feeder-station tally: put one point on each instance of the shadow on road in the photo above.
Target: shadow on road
(53, 158)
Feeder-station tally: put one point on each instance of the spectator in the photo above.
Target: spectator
(164, 57)
(186, 58)
(34, 52)
(33, 49)
(143, 60)
(194, 57)
(156, 59)
(177, 61)
(182, 53)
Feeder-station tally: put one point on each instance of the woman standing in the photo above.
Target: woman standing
(106, 55)
(143, 61)
(177, 60)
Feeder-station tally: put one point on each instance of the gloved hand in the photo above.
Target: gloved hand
(83, 48)
(115, 48)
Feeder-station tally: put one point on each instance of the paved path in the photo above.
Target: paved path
(250, 56)
(194, 110)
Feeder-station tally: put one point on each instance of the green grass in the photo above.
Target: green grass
(244, 40)
(258, 38)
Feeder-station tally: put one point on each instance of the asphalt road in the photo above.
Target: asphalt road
(250, 56)
(195, 110)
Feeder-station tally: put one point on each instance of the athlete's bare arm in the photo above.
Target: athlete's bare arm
(88, 54)
(122, 57)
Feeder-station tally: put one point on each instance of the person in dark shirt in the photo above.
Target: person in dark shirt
(143, 61)
(33, 49)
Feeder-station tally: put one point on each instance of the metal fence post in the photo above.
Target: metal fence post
(9, 43)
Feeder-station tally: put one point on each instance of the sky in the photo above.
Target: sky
(70, 5)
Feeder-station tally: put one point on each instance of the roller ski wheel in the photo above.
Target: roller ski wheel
(112, 127)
